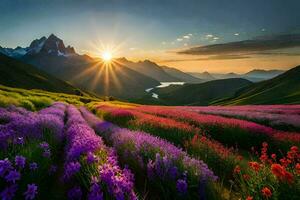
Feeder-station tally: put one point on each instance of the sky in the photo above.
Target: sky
(191, 35)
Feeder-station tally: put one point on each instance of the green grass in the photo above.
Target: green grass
(37, 99)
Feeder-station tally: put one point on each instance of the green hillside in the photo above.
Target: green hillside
(15, 73)
(201, 94)
(283, 89)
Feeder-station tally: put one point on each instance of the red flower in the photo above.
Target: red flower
(246, 177)
(263, 158)
(254, 165)
(273, 156)
(266, 192)
(289, 177)
(297, 168)
(294, 149)
(237, 169)
(249, 198)
(280, 172)
(239, 157)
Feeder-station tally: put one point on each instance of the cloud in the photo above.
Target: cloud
(257, 45)
(209, 36)
(236, 34)
(179, 39)
(219, 57)
(186, 37)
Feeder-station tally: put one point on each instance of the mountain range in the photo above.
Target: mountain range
(48, 64)
(255, 75)
(52, 56)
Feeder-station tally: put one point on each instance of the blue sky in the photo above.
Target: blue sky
(143, 29)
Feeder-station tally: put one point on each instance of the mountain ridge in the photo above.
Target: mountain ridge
(282, 89)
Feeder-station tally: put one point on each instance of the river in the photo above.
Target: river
(163, 85)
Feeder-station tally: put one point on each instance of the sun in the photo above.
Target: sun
(107, 56)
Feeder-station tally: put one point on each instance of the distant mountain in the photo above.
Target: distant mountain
(14, 73)
(263, 74)
(201, 94)
(184, 77)
(150, 69)
(51, 55)
(225, 76)
(15, 53)
(160, 73)
(253, 76)
(205, 76)
(283, 89)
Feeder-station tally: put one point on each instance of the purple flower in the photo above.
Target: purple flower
(95, 192)
(19, 140)
(20, 161)
(75, 193)
(33, 166)
(13, 176)
(44, 145)
(173, 173)
(9, 192)
(47, 153)
(83, 143)
(5, 166)
(181, 186)
(71, 169)
(91, 158)
(31, 191)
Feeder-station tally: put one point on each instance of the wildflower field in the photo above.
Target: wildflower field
(92, 149)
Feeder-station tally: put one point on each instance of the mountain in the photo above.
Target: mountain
(283, 89)
(150, 69)
(256, 75)
(205, 76)
(225, 76)
(15, 53)
(201, 94)
(51, 45)
(160, 73)
(184, 77)
(263, 74)
(14, 73)
(51, 55)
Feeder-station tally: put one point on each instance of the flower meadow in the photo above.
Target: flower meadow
(230, 131)
(114, 150)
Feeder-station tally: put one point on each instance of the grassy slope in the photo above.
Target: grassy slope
(283, 89)
(14, 73)
(201, 94)
(36, 99)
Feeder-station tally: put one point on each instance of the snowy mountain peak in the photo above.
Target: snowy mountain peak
(51, 45)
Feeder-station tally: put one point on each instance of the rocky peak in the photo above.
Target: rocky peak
(36, 45)
(53, 45)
